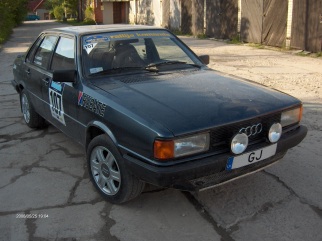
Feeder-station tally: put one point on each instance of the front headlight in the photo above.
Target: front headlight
(181, 147)
(291, 116)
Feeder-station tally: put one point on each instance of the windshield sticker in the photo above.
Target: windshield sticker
(122, 36)
(139, 35)
(91, 104)
(56, 101)
(89, 47)
(153, 35)
(95, 70)
(96, 39)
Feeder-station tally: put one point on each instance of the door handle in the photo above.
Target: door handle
(45, 80)
(28, 71)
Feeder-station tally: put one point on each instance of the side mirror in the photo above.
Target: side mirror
(68, 76)
(204, 59)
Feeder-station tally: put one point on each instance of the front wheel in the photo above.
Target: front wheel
(108, 172)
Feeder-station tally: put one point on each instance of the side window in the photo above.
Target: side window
(169, 50)
(43, 53)
(64, 55)
(32, 50)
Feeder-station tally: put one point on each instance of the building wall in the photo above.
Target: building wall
(108, 13)
(175, 14)
(294, 23)
(145, 12)
(98, 13)
(157, 12)
(41, 13)
(132, 12)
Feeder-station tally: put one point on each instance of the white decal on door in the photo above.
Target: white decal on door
(56, 105)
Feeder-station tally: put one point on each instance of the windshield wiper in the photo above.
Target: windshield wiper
(118, 69)
(153, 66)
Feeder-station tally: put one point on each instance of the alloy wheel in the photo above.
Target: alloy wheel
(105, 170)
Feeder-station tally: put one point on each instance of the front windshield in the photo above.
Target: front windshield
(132, 50)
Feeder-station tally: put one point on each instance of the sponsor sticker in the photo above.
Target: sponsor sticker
(91, 104)
(153, 34)
(96, 39)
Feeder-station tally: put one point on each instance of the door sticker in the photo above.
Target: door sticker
(91, 104)
(56, 101)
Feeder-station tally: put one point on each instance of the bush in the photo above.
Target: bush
(89, 21)
(12, 13)
(89, 13)
(6, 26)
(59, 13)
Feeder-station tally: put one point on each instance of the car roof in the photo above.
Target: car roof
(88, 29)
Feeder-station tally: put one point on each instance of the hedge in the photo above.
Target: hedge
(12, 13)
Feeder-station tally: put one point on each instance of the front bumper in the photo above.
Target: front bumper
(208, 171)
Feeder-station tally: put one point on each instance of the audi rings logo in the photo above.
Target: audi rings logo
(252, 130)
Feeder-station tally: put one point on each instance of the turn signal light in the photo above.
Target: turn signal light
(301, 113)
(163, 149)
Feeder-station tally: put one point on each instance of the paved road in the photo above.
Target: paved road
(43, 174)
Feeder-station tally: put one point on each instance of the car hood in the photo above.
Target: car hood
(191, 101)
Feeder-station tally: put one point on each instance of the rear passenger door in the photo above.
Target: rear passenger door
(61, 98)
(36, 68)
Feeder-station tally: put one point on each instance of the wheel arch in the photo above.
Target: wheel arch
(19, 87)
(97, 128)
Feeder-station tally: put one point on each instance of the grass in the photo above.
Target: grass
(235, 40)
(303, 54)
(177, 32)
(202, 36)
(258, 46)
(318, 54)
(74, 22)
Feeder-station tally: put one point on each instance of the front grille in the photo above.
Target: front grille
(220, 137)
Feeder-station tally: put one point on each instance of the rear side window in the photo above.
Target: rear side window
(64, 55)
(44, 52)
(33, 50)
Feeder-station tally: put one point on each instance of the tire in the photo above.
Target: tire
(108, 172)
(30, 116)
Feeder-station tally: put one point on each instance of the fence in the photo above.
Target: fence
(283, 23)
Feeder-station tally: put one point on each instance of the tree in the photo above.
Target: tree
(70, 7)
(59, 13)
(12, 13)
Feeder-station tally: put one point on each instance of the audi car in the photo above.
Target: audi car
(147, 109)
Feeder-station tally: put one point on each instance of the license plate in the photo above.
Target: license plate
(251, 157)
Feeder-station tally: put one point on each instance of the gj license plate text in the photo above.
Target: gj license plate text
(251, 157)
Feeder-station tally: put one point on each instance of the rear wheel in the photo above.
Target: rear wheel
(108, 172)
(30, 116)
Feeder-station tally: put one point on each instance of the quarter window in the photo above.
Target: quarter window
(64, 55)
(43, 54)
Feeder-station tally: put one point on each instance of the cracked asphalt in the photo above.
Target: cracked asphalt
(46, 194)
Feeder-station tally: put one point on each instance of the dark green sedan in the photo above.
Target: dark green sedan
(148, 110)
